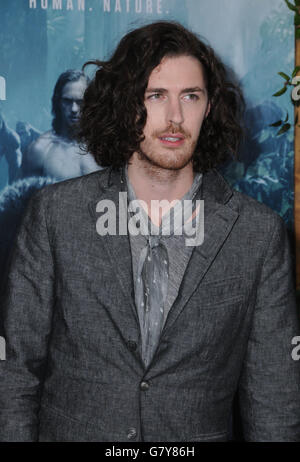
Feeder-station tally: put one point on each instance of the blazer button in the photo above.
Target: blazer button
(131, 433)
(132, 345)
(144, 386)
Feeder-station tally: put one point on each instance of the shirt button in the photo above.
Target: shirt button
(131, 345)
(144, 386)
(131, 434)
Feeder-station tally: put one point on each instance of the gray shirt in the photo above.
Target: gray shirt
(178, 254)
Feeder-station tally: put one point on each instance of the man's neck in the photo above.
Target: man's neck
(151, 183)
(66, 133)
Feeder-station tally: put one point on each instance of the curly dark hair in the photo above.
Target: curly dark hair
(113, 114)
(71, 75)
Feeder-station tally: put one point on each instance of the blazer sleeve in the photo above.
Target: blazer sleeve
(269, 387)
(26, 311)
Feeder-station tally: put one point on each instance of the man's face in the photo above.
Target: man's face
(177, 103)
(71, 100)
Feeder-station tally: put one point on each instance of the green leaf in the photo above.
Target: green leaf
(297, 34)
(291, 6)
(280, 92)
(284, 129)
(297, 19)
(277, 124)
(285, 76)
(296, 70)
(297, 2)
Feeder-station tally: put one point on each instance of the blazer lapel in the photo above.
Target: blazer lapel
(116, 246)
(219, 218)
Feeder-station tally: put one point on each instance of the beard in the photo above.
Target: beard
(167, 158)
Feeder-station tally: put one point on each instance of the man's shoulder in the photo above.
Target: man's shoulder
(84, 188)
(39, 147)
(44, 138)
(248, 205)
(256, 218)
(251, 212)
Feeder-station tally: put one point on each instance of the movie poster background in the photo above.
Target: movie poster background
(39, 39)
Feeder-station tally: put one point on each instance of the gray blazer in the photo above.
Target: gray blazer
(74, 371)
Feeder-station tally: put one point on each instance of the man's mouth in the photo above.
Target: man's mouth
(174, 140)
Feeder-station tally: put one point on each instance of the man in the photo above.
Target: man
(128, 336)
(56, 153)
(10, 148)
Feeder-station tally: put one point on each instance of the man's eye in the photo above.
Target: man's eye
(155, 96)
(192, 97)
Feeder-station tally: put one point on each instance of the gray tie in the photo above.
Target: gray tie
(152, 294)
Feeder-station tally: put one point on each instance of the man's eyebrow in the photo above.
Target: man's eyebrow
(156, 90)
(193, 90)
(185, 90)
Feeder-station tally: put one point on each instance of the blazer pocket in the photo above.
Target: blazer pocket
(56, 425)
(222, 292)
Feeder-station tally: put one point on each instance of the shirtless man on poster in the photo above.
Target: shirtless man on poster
(56, 153)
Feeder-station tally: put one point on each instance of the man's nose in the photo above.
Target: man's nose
(75, 107)
(175, 111)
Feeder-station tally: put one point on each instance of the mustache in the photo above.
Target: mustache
(172, 128)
